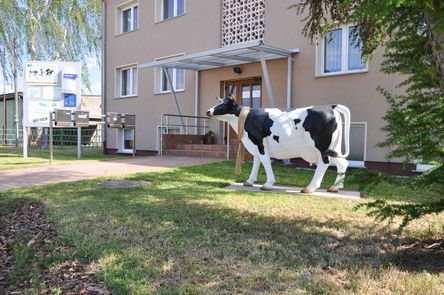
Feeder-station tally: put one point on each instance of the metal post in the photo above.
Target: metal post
(197, 102)
(228, 141)
(267, 83)
(161, 136)
(134, 142)
(4, 112)
(79, 142)
(173, 94)
(25, 142)
(51, 138)
(289, 81)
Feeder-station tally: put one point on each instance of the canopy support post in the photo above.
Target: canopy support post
(289, 82)
(173, 95)
(271, 101)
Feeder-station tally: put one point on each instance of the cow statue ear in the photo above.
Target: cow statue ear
(219, 99)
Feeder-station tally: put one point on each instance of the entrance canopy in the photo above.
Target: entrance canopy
(242, 53)
(248, 52)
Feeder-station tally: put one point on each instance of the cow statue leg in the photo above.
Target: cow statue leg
(254, 171)
(266, 162)
(315, 183)
(341, 166)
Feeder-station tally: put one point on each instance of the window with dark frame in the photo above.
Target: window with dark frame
(130, 19)
(172, 8)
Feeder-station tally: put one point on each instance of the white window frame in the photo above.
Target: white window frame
(160, 12)
(173, 80)
(119, 17)
(158, 77)
(320, 55)
(134, 83)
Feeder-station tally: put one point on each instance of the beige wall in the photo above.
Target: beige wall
(92, 104)
(198, 30)
(189, 33)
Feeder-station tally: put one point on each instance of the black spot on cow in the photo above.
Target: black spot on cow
(275, 137)
(333, 106)
(258, 125)
(296, 122)
(321, 123)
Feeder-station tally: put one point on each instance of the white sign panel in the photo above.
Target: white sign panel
(50, 86)
(41, 73)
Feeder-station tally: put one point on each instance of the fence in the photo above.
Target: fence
(64, 138)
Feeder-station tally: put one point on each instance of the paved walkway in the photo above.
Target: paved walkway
(60, 173)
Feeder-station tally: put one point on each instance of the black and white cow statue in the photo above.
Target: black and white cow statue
(314, 134)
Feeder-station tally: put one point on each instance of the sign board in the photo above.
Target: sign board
(49, 86)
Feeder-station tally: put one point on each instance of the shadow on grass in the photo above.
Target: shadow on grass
(184, 233)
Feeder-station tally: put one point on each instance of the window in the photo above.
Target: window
(171, 8)
(177, 78)
(127, 81)
(127, 17)
(340, 51)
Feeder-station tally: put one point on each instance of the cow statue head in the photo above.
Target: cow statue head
(227, 108)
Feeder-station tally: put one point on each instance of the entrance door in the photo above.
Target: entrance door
(247, 93)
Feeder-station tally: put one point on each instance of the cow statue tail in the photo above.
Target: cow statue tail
(346, 113)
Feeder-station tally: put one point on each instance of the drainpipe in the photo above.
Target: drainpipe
(103, 72)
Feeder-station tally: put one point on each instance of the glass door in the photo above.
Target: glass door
(247, 93)
(128, 140)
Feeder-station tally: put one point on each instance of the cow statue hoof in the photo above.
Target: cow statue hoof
(308, 191)
(266, 188)
(333, 190)
(246, 183)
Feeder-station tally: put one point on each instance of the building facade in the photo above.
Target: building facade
(140, 34)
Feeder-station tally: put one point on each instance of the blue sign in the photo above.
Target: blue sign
(70, 100)
(70, 76)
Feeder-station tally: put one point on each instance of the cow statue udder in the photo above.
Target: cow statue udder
(314, 134)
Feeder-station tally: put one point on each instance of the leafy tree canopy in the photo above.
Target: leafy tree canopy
(66, 30)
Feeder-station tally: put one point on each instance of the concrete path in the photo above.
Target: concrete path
(344, 194)
(71, 172)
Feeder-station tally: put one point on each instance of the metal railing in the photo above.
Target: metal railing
(172, 124)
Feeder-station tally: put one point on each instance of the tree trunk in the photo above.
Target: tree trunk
(436, 39)
(16, 115)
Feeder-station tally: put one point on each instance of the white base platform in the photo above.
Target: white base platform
(344, 194)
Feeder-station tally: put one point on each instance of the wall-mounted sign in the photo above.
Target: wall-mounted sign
(70, 100)
(70, 76)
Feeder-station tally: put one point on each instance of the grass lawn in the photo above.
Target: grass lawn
(12, 159)
(185, 234)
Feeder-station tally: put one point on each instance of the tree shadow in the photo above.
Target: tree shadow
(170, 236)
